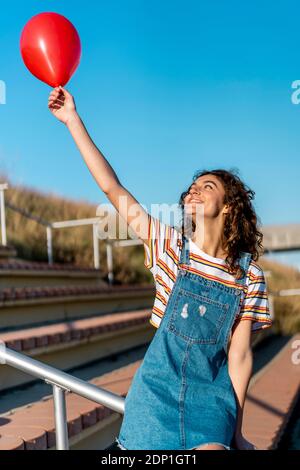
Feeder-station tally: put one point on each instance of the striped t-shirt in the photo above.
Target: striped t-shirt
(162, 254)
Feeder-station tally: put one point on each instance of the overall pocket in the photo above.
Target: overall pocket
(196, 317)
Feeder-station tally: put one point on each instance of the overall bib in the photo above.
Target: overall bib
(182, 396)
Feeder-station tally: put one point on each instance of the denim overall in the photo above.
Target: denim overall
(182, 396)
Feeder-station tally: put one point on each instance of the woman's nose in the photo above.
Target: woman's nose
(194, 191)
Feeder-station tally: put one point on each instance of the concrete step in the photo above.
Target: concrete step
(22, 273)
(7, 252)
(74, 343)
(24, 307)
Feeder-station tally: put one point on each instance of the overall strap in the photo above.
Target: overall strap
(184, 255)
(244, 262)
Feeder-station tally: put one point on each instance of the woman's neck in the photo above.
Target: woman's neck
(210, 241)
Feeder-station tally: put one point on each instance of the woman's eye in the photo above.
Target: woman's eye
(209, 185)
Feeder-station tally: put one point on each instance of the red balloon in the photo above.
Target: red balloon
(50, 48)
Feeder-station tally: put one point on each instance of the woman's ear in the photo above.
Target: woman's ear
(226, 209)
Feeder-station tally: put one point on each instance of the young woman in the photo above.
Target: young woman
(190, 389)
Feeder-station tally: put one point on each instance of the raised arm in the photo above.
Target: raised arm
(62, 105)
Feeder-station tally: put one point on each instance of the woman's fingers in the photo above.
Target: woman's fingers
(56, 98)
(54, 92)
(56, 95)
(60, 92)
(60, 102)
(54, 106)
(55, 103)
(65, 92)
(57, 92)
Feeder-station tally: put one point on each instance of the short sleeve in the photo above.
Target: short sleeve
(159, 237)
(256, 302)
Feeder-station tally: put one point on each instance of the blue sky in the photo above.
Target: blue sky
(165, 88)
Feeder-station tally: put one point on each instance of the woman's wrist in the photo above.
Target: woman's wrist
(73, 118)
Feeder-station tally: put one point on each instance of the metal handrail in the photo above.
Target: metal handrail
(284, 292)
(61, 383)
(26, 214)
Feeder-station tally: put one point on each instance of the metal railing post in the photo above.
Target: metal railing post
(3, 187)
(49, 245)
(271, 305)
(96, 248)
(61, 427)
(109, 261)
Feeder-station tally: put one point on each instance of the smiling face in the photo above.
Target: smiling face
(209, 191)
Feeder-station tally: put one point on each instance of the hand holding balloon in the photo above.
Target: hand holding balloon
(62, 105)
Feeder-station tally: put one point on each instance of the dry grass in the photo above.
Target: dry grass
(70, 245)
(286, 308)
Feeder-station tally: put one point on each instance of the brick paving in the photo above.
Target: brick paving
(271, 399)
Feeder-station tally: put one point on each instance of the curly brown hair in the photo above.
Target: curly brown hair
(241, 232)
